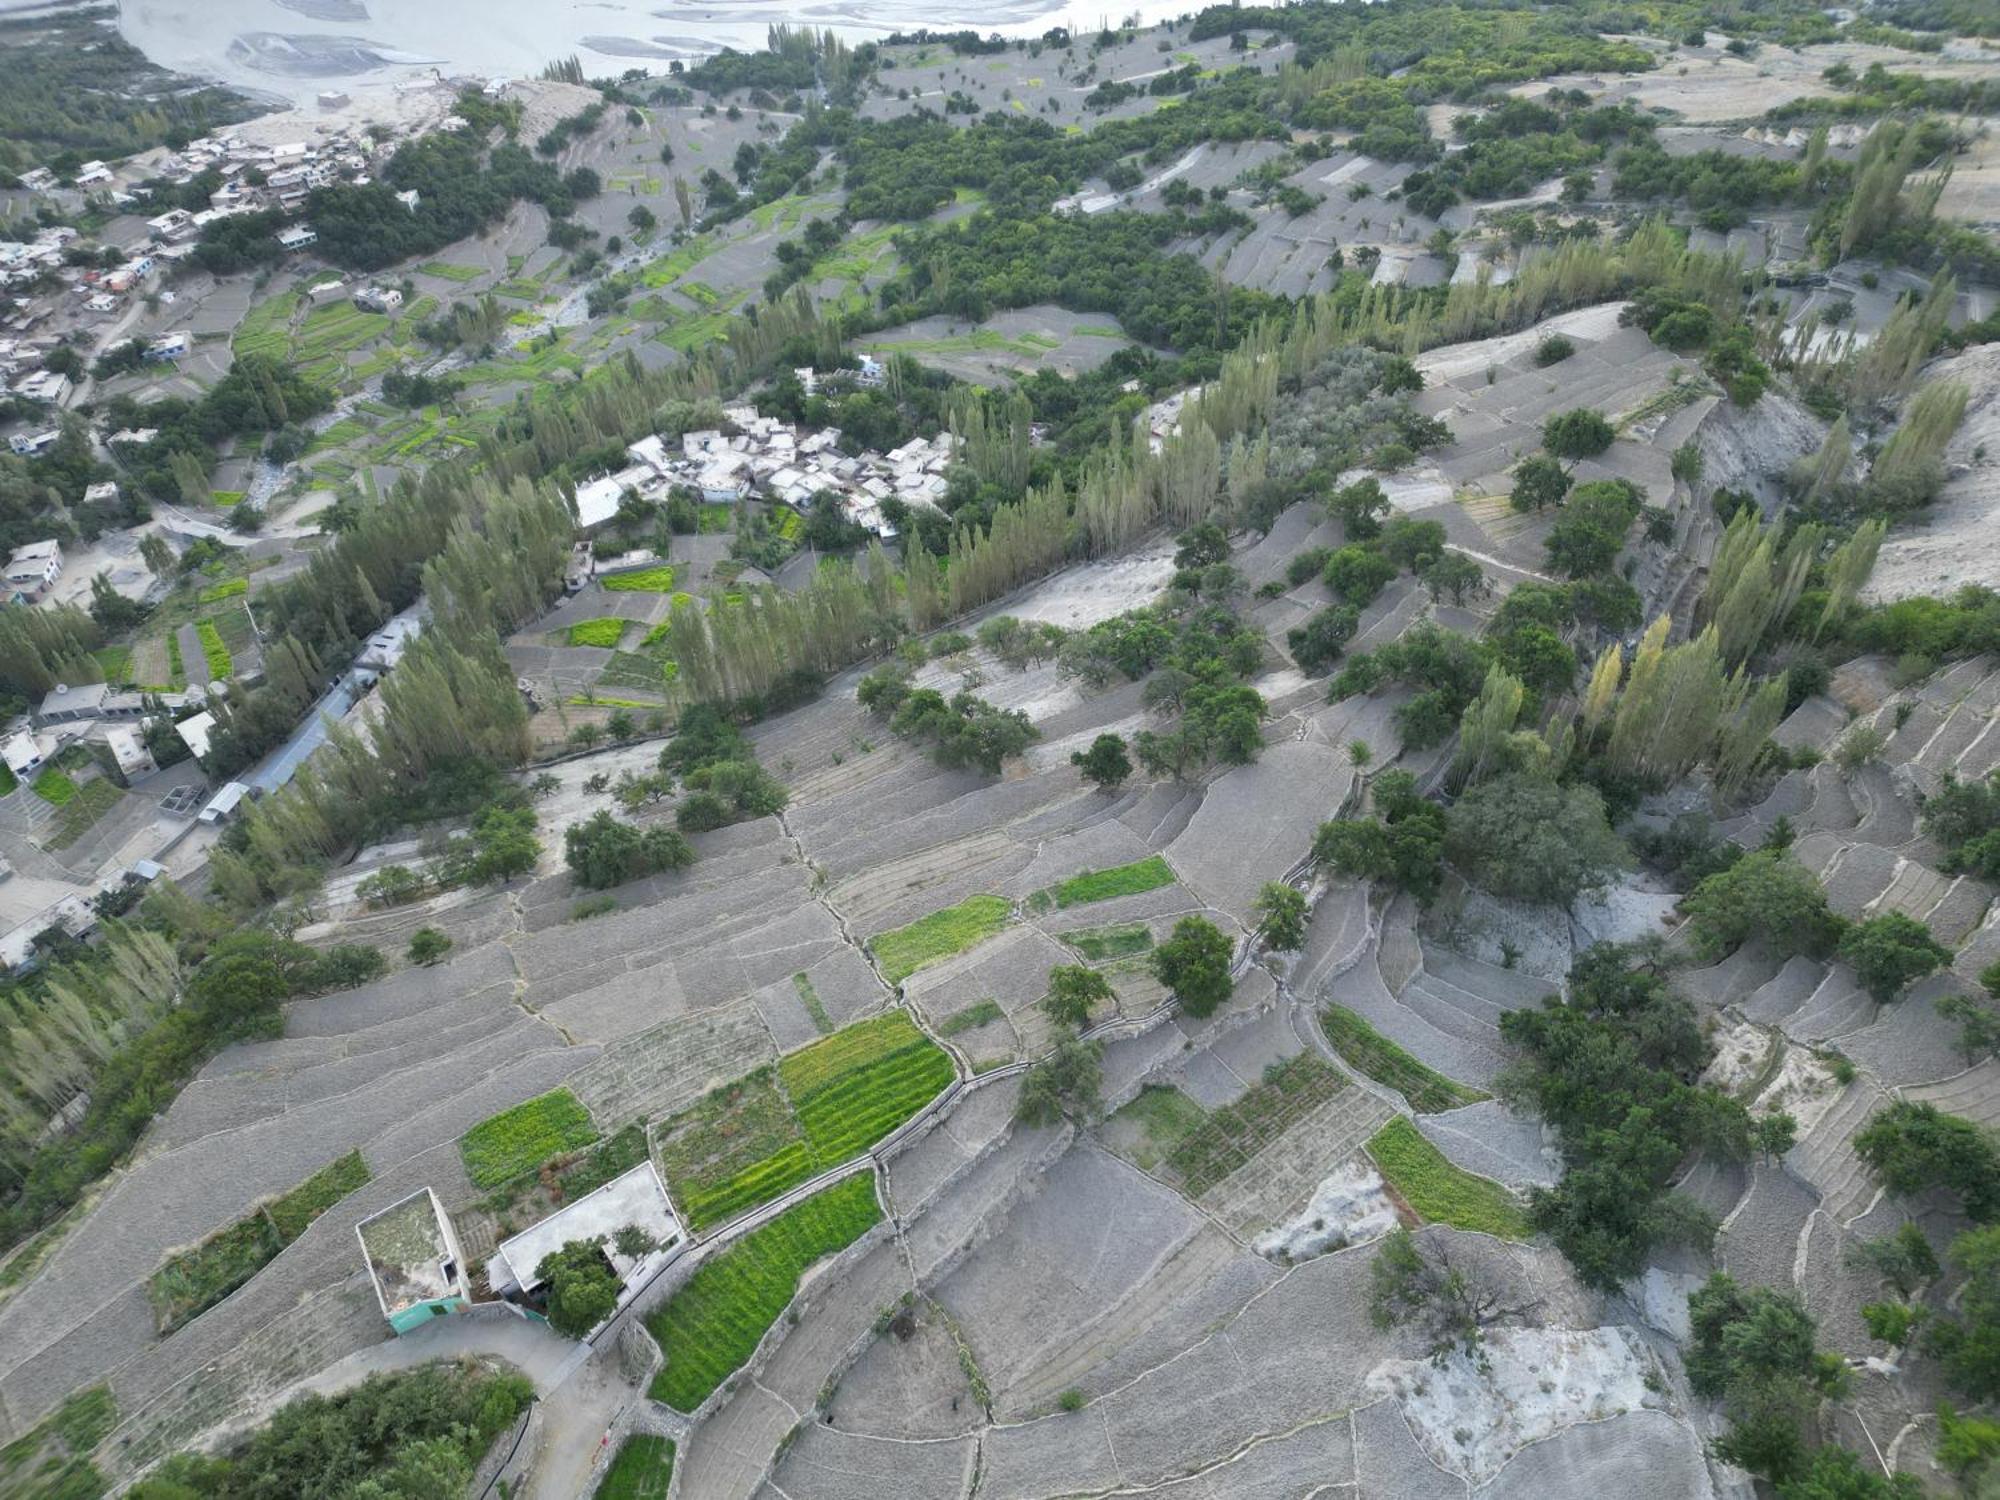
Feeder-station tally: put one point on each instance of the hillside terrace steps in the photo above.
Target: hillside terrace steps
(1838, 1006)
(1888, 817)
(1974, 1093)
(1826, 1157)
(1921, 721)
(1509, 989)
(1726, 982)
(1454, 1011)
(1785, 992)
(1362, 990)
(1818, 722)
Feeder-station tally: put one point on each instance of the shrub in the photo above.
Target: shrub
(1553, 350)
(1581, 433)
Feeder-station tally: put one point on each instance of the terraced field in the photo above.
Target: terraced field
(749, 1141)
(711, 1326)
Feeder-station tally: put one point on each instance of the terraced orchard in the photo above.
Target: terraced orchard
(711, 1326)
(751, 1140)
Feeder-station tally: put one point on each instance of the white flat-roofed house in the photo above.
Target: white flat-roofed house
(91, 173)
(597, 500)
(33, 444)
(633, 1200)
(34, 567)
(23, 754)
(297, 237)
(174, 224)
(49, 387)
(195, 732)
(169, 347)
(651, 450)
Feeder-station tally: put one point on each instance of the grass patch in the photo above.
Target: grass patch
(516, 1141)
(1229, 1137)
(658, 580)
(1147, 874)
(1154, 1124)
(714, 518)
(53, 787)
(228, 589)
(1429, 1091)
(713, 1324)
(8, 781)
(985, 1013)
(809, 998)
(51, 1461)
(928, 940)
(191, 1283)
(642, 1469)
(115, 662)
(1100, 943)
(214, 653)
(451, 272)
(77, 816)
(227, 498)
(607, 630)
(1440, 1192)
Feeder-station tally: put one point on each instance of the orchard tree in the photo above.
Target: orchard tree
(428, 945)
(1105, 763)
(1281, 916)
(1764, 894)
(1581, 433)
(1194, 964)
(1359, 508)
(1413, 1283)
(1073, 991)
(1067, 1084)
(1914, 1147)
(1539, 482)
(1890, 952)
(582, 1287)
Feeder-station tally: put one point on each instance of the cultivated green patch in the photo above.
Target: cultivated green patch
(1229, 1137)
(928, 940)
(1147, 874)
(518, 1140)
(1437, 1190)
(713, 1324)
(1362, 1046)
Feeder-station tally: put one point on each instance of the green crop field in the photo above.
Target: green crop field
(1230, 1136)
(751, 1140)
(658, 580)
(1156, 1122)
(1099, 943)
(904, 950)
(1147, 874)
(1441, 1192)
(92, 801)
(228, 589)
(643, 1469)
(214, 652)
(1365, 1048)
(607, 630)
(451, 272)
(516, 1141)
(713, 1324)
(54, 788)
(194, 1281)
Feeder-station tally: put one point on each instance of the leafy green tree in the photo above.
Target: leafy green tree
(1452, 574)
(583, 1289)
(505, 844)
(1774, 1134)
(1914, 1147)
(1317, 644)
(1194, 965)
(428, 945)
(1754, 1350)
(1768, 895)
(1968, 1446)
(1890, 952)
(1073, 991)
(602, 852)
(1358, 573)
(1105, 764)
(1966, 1339)
(1281, 916)
(1402, 843)
(1587, 536)
(1836, 1474)
(1525, 836)
(1067, 1084)
(1539, 482)
(1904, 1260)
(1359, 507)
(1579, 433)
(1978, 1024)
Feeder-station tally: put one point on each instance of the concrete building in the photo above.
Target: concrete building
(297, 237)
(195, 732)
(34, 568)
(381, 299)
(45, 386)
(127, 749)
(414, 1261)
(23, 754)
(34, 444)
(169, 348)
(634, 1200)
(386, 646)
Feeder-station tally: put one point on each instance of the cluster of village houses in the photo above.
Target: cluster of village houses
(39, 315)
(770, 459)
